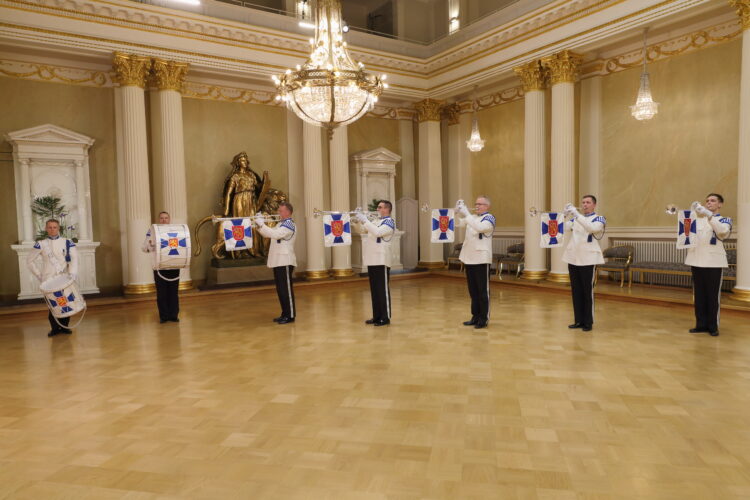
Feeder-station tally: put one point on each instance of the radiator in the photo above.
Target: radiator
(500, 244)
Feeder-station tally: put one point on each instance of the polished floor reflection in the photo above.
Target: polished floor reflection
(227, 404)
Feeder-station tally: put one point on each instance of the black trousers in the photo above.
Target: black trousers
(707, 291)
(478, 279)
(282, 275)
(582, 286)
(380, 292)
(167, 298)
(55, 327)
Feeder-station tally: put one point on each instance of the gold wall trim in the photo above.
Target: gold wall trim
(58, 74)
(743, 11)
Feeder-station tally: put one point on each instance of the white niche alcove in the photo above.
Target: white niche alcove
(52, 161)
(374, 178)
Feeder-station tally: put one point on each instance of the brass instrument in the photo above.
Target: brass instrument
(266, 217)
(425, 207)
(672, 209)
(372, 216)
(533, 211)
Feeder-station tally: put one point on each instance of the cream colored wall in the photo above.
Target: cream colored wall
(85, 110)
(497, 170)
(370, 133)
(688, 150)
(214, 132)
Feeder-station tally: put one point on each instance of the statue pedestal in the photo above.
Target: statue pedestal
(237, 271)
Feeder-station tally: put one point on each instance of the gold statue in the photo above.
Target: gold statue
(244, 194)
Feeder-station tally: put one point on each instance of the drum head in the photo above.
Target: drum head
(56, 283)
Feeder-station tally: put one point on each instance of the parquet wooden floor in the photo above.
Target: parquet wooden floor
(227, 404)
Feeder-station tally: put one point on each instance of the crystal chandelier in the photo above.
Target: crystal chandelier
(329, 89)
(644, 108)
(475, 142)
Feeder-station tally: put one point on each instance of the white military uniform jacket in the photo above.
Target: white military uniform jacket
(148, 243)
(376, 245)
(583, 248)
(709, 252)
(59, 255)
(477, 247)
(281, 252)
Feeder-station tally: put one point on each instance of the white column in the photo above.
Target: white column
(84, 233)
(296, 188)
(169, 147)
(28, 221)
(406, 141)
(430, 180)
(742, 223)
(459, 161)
(313, 173)
(131, 74)
(562, 68)
(534, 79)
(341, 265)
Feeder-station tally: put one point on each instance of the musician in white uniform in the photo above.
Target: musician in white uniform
(59, 256)
(583, 253)
(168, 284)
(476, 255)
(281, 258)
(376, 256)
(707, 261)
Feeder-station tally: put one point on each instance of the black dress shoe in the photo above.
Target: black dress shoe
(163, 320)
(480, 324)
(66, 331)
(698, 330)
(369, 321)
(382, 322)
(175, 320)
(52, 333)
(586, 328)
(276, 320)
(576, 325)
(284, 321)
(471, 322)
(713, 333)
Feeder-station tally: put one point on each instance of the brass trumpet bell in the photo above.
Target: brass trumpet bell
(671, 209)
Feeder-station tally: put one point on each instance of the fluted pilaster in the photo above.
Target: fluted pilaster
(534, 79)
(406, 140)
(168, 144)
(742, 223)
(563, 70)
(341, 256)
(430, 179)
(313, 166)
(131, 72)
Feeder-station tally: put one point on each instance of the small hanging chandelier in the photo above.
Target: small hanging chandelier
(644, 108)
(475, 142)
(329, 89)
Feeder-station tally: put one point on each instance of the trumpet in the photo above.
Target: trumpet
(672, 209)
(533, 211)
(370, 215)
(425, 207)
(266, 217)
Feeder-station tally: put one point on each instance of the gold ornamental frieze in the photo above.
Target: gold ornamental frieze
(533, 75)
(743, 11)
(452, 113)
(131, 70)
(563, 66)
(169, 75)
(428, 110)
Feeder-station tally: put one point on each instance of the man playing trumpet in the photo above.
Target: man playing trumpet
(476, 255)
(281, 258)
(707, 261)
(376, 256)
(582, 254)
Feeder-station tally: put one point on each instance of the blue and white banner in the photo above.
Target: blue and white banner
(443, 225)
(553, 229)
(337, 230)
(687, 230)
(238, 234)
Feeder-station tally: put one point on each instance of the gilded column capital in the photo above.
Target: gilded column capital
(452, 113)
(533, 75)
(743, 10)
(169, 75)
(428, 110)
(131, 70)
(563, 66)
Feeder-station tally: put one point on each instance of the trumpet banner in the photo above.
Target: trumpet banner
(238, 234)
(443, 225)
(553, 229)
(337, 230)
(687, 231)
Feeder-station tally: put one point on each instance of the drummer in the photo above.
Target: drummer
(59, 256)
(167, 282)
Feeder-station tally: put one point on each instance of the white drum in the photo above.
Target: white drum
(62, 296)
(172, 242)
